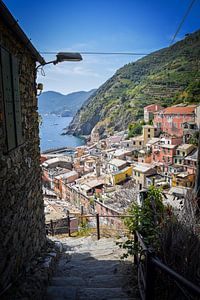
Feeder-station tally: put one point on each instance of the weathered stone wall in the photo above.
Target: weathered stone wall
(22, 230)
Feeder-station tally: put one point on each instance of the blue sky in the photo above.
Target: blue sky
(99, 25)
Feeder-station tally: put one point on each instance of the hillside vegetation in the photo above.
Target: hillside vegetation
(168, 76)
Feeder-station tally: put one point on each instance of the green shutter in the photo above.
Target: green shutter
(8, 99)
(17, 102)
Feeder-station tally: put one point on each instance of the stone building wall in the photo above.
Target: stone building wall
(22, 230)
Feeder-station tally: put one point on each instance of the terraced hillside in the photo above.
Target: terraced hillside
(168, 76)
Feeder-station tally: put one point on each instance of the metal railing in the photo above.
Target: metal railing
(148, 265)
(53, 228)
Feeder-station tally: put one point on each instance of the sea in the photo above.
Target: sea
(50, 133)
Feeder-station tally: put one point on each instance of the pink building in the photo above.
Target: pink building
(164, 150)
(170, 120)
(150, 110)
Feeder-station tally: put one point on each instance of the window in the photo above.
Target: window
(149, 130)
(11, 98)
(149, 135)
(140, 143)
(133, 142)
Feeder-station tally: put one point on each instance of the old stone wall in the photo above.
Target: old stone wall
(22, 230)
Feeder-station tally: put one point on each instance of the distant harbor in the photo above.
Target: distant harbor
(51, 133)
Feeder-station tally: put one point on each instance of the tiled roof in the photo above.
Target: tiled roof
(153, 107)
(179, 110)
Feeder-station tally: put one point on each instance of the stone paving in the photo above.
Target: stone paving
(91, 269)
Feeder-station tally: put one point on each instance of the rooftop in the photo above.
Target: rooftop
(117, 162)
(153, 141)
(185, 146)
(119, 152)
(142, 167)
(66, 175)
(168, 146)
(54, 160)
(179, 110)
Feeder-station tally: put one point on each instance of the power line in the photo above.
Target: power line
(182, 21)
(100, 53)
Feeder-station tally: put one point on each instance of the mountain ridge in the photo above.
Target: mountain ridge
(166, 77)
(60, 104)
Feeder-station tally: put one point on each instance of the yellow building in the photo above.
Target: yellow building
(148, 133)
(183, 179)
(122, 175)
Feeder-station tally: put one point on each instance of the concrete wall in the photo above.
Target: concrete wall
(22, 231)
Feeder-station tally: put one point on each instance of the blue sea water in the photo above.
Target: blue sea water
(50, 133)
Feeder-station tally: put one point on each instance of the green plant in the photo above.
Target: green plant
(134, 129)
(147, 219)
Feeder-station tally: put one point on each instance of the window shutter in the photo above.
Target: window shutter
(17, 102)
(8, 99)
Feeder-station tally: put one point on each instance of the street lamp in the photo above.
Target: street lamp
(60, 57)
(63, 56)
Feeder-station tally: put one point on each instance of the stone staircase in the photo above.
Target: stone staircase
(92, 270)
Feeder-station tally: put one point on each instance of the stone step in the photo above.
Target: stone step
(99, 281)
(108, 281)
(89, 269)
(61, 293)
(101, 293)
(72, 281)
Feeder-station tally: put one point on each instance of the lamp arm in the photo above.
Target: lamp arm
(50, 62)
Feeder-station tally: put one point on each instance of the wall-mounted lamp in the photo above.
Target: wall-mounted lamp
(63, 56)
(39, 89)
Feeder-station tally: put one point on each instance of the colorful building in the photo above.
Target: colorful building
(150, 110)
(171, 119)
(181, 152)
(140, 173)
(183, 179)
(122, 175)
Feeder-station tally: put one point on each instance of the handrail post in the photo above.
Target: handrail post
(82, 215)
(98, 228)
(150, 277)
(52, 229)
(68, 223)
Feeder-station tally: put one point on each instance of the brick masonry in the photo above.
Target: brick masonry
(22, 230)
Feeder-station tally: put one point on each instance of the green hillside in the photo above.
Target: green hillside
(168, 76)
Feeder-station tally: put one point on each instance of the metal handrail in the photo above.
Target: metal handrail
(187, 283)
(156, 262)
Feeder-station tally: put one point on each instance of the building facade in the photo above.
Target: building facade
(171, 120)
(21, 203)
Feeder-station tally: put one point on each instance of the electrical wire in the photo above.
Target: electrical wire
(182, 21)
(100, 53)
